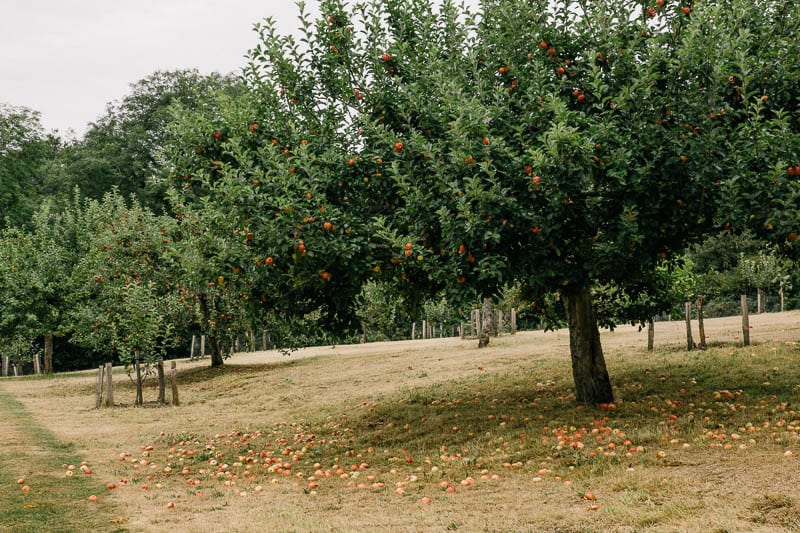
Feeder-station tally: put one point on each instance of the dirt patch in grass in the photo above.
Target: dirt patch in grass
(355, 438)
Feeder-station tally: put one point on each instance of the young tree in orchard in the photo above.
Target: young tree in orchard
(379, 308)
(17, 324)
(269, 194)
(762, 272)
(124, 297)
(34, 267)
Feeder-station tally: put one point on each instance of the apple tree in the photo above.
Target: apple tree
(36, 263)
(270, 192)
(565, 144)
(124, 296)
(552, 142)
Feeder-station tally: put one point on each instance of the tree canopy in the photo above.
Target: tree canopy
(563, 147)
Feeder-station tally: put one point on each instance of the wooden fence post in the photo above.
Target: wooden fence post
(689, 340)
(486, 325)
(161, 385)
(173, 380)
(48, 352)
(513, 321)
(424, 329)
(701, 328)
(191, 350)
(202, 347)
(745, 322)
(651, 333)
(36, 368)
(413, 331)
(264, 340)
(109, 387)
(5, 366)
(99, 391)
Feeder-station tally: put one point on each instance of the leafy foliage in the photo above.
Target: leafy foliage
(120, 150)
(124, 299)
(25, 154)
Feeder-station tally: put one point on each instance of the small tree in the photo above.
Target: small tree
(35, 268)
(125, 299)
(437, 310)
(763, 272)
(379, 308)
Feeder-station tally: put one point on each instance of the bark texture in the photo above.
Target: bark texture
(217, 359)
(592, 384)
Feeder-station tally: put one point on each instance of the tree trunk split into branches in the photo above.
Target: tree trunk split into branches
(592, 384)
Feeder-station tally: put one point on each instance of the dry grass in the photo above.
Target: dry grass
(695, 442)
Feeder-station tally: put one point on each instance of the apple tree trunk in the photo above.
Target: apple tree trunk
(213, 343)
(592, 384)
(217, 359)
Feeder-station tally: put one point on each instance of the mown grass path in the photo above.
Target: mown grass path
(55, 502)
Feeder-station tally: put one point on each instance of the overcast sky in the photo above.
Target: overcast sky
(68, 58)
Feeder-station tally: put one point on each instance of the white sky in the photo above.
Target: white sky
(68, 58)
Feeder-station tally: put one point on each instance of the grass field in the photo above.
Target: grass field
(431, 435)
